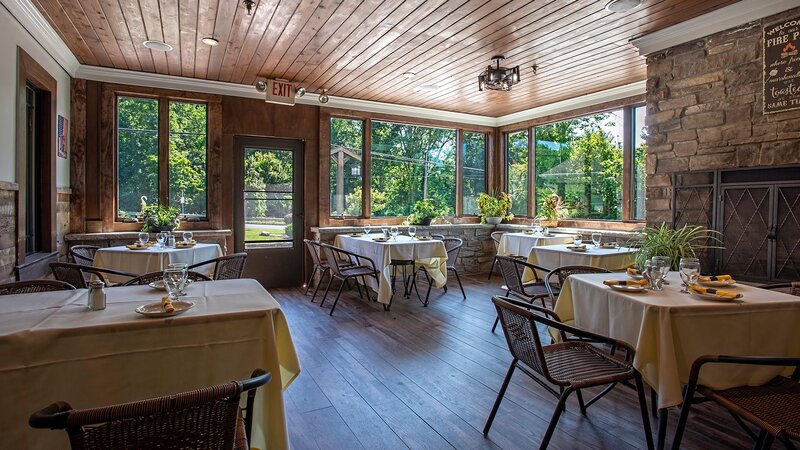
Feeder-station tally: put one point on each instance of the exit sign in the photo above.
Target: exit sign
(281, 92)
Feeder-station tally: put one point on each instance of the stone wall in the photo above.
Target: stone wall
(704, 111)
(8, 234)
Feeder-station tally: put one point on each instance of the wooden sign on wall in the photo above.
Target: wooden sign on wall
(782, 66)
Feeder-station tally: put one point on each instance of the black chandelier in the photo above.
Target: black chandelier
(498, 78)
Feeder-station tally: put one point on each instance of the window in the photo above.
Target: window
(639, 163)
(581, 161)
(347, 143)
(473, 172)
(410, 163)
(517, 171)
(142, 160)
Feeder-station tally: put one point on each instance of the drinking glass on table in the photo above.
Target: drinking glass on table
(394, 231)
(596, 239)
(170, 241)
(185, 280)
(385, 230)
(659, 268)
(690, 272)
(412, 231)
(577, 241)
(160, 238)
(143, 238)
(664, 263)
(187, 236)
(173, 281)
(367, 228)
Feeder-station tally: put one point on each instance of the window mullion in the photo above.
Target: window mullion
(531, 172)
(627, 164)
(366, 170)
(459, 173)
(163, 151)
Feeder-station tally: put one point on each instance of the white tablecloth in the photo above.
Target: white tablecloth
(669, 329)
(552, 256)
(53, 348)
(432, 254)
(154, 259)
(522, 243)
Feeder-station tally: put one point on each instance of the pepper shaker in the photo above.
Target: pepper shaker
(97, 295)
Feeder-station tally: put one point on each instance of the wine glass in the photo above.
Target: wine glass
(367, 228)
(187, 236)
(533, 226)
(412, 231)
(690, 272)
(577, 240)
(160, 238)
(385, 230)
(143, 238)
(394, 231)
(173, 281)
(664, 263)
(596, 238)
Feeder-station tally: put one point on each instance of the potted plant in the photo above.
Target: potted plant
(551, 209)
(494, 208)
(158, 218)
(423, 212)
(684, 242)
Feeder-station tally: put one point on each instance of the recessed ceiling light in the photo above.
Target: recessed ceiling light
(409, 74)
(619, 6)
(158, 45)
(427, 88)
(213, 42)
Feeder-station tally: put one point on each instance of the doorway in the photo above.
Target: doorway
(268, 209)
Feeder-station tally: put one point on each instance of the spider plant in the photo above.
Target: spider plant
(677, 243)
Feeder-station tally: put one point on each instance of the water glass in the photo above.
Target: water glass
(160, 238)
(412, 231)
(658, 268)
(143, 238)
(173, 281)
(577, 241)
(596, 239)
(385, 230)
(690, 272)
(184, 281)
(187, 236)
(394, 231)
(367, 228)
(171, 241)
(664, 263)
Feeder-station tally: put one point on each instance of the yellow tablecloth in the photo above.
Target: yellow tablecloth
(154, 259)
(431, 254)
(669, 330)
(552, 256)
(522, 243)
(53, 348)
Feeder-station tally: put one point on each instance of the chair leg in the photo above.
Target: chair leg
(430, 285)
(459, 283)
(310, 279)
(316, 289)
(648, 432)
(580, 402)
(768, 440)
(499, 398)
(338, 294)
(688, 397)
(360, 295)
(491, 271)
(327, 289)
(562, 401)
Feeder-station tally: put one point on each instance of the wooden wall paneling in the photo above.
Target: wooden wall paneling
(324, 183)
(138, 32)
(163, 152)
(92, 160)
(107, 161)
(214, 166)
(77, 155)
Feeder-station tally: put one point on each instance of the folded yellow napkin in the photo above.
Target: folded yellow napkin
(715, 278)
(634, 271)
(166, 305)
(715, 292)
(626, 282)
(576, 246)
(134, 246)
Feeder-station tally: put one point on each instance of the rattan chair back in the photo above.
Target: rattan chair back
(34, 286)
(792, 288)
(228, 267)
(71, 273)
(83, 254)
(158, 276)
(496, 236)
(563, 272)
(207, 418)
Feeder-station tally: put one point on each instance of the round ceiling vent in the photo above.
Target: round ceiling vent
(619, 6)
(158, 45)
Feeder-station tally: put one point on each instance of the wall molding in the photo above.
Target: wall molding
(722, 19)
(40, 30)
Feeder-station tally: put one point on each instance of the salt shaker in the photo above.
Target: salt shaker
(171, 241)
(97, 295)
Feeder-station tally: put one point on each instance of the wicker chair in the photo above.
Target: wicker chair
(78, 274)
(34, 286)
(773, 407)
(562, 273)
(496, 236)
(571, 365)
(83, 254)
(437, 236)
(228, 267)
(513, 270)
(793, 287)
(156, 276)
(362, 267)
(208, 418)
(453, 248)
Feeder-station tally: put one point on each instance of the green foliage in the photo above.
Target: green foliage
(676, 243)
(517, 155)
(267, 169)
(423, 209)
(347, 136)
(497, 205)
(159, 216)
(552, 206)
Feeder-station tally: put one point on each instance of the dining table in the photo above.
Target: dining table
(520, 244)
(53, 348)
(154, 258)
(424, 251)
(553, 256)
(669, 329)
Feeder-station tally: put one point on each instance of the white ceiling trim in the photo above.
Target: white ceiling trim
(40, 30)
(720, 20)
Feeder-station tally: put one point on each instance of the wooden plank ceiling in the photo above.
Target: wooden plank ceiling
(361, 48)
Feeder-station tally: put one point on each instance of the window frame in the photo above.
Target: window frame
(163, 102)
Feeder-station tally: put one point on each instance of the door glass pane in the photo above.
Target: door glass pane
(268, 195)
(137, 154)
(187, 158)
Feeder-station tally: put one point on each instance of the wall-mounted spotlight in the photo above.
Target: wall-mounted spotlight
(261, 86)
(301, 91)
(323, 97)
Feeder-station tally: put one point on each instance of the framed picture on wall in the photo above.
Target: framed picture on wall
(62, 134)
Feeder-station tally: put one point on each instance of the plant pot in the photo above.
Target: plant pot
(159, 228)
(425, 221)
(549, 223)
(493, 220)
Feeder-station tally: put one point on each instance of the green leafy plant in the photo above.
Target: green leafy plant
(424, 211)
(497, 205)
(552, 207)
(684, 242)
(159, 216)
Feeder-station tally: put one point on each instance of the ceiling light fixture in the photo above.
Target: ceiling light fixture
(620, 6)
(301, 91)
(427, 88)
(409, 74)
(249, 4)
(323, 97)
(261, 86)
(158, 46)
(210, 41)
(498, 78)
